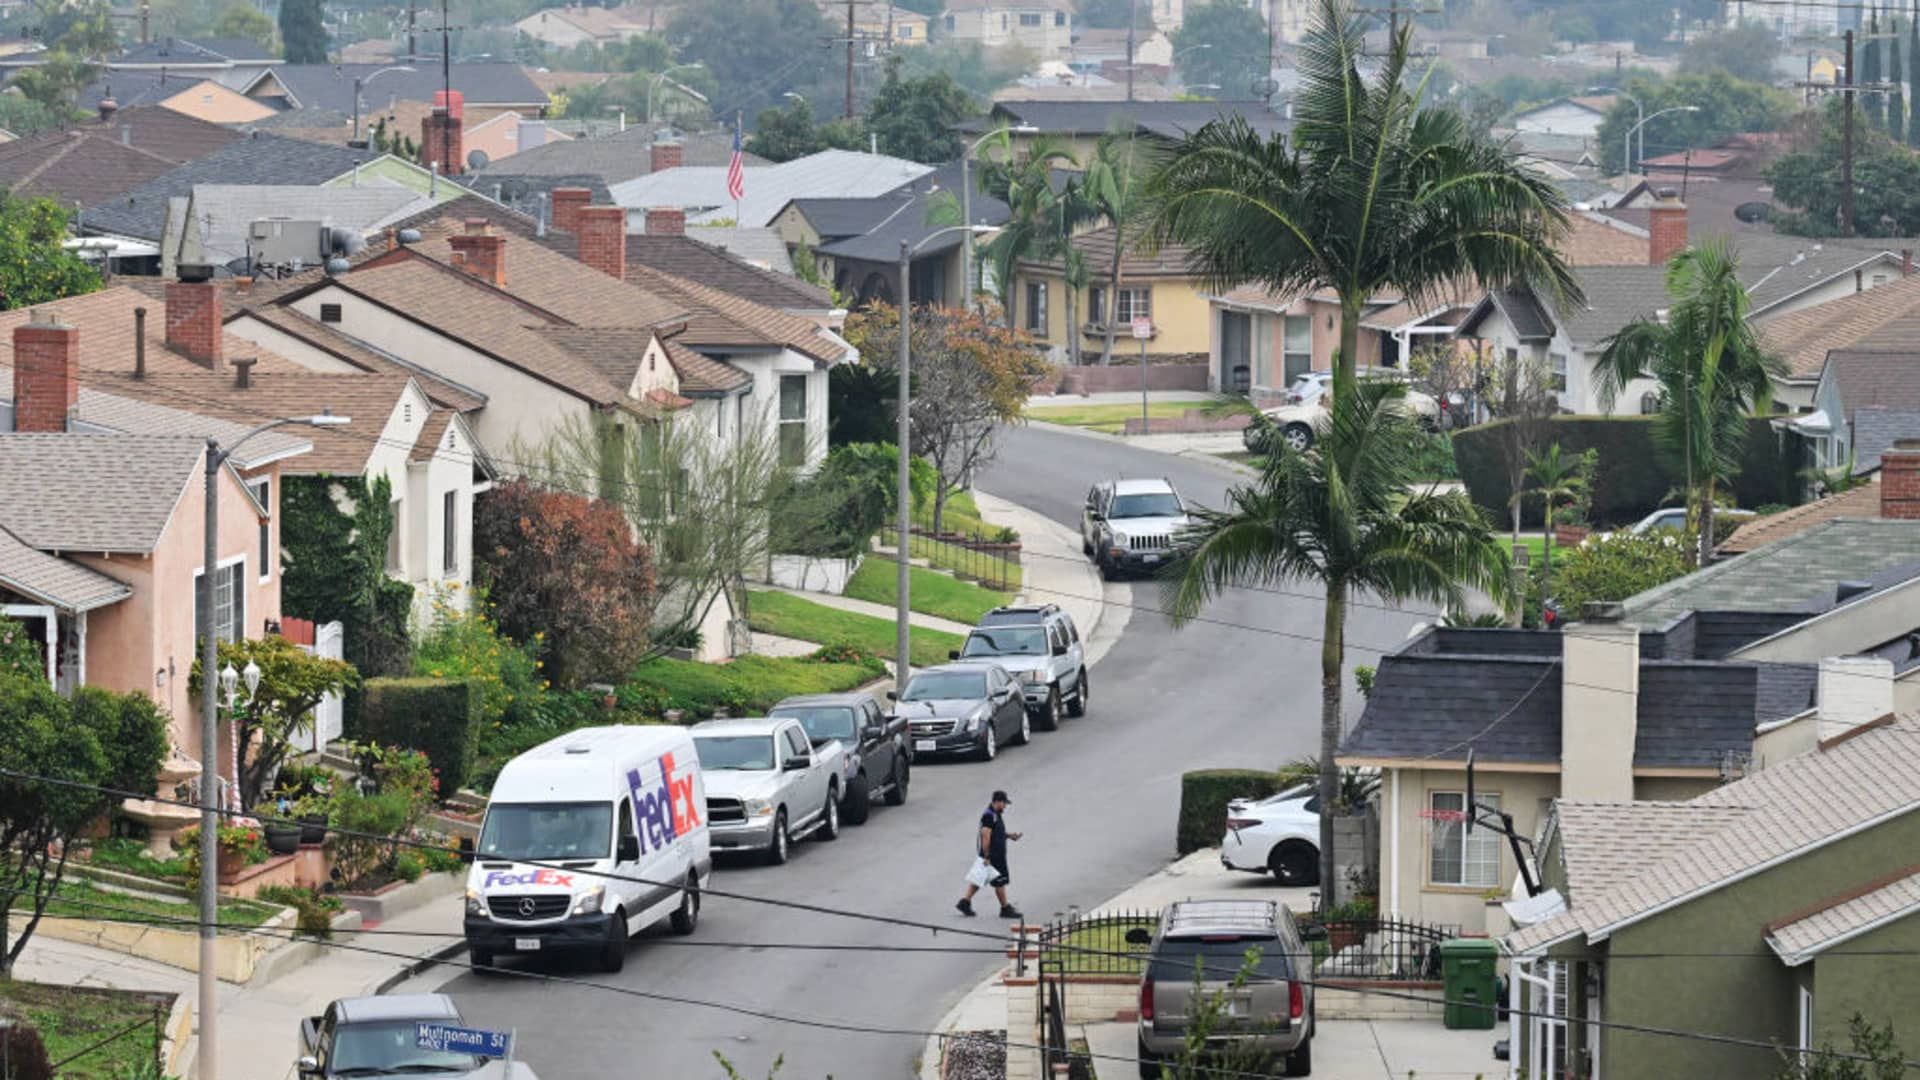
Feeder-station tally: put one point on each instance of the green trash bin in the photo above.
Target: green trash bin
(1469, 970)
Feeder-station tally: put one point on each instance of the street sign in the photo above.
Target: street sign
(1143, 328)
(459, 1040)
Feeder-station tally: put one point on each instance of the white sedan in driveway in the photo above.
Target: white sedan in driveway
(1279, 834)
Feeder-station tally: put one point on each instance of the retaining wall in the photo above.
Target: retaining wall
(1097, 379)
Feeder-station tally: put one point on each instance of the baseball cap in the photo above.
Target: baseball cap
(1001, 796)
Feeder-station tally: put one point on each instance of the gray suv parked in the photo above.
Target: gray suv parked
(1040, 647)
(1269, 1018)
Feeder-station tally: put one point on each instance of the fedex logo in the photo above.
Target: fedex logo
(665, 810)
(531, 877)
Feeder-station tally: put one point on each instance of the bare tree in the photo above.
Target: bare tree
(1522, 399)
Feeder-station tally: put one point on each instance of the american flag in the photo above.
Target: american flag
(736, 168)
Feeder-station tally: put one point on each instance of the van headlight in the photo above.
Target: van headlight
(476, 904)
(588, 902)
(757, 807)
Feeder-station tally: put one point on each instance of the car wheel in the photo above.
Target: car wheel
(1298, 437)
(687, 915)
(613, 955)
(1025, 734)
(990, 748)
(830, 816)
(1300, 1062)
(1295, 862)
(1149, 1064)
(902, 773)
(1050, 712)
(1078, 706)
(859, 800)
(777, 852)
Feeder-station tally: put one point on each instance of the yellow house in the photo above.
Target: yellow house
(1156, 286)
(877, 20)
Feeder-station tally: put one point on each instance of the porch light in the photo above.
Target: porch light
(229, 680)
(252, 675)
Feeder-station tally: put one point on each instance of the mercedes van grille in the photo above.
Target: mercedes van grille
(528, 908)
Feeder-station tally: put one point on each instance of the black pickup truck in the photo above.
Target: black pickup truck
(879, 758)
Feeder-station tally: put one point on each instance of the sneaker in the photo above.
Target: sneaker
(1008, 911)
(964, 907)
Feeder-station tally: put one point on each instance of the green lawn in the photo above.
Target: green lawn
(795, 617)
(930, 592)
(1102, 938)
(1536, 548)
(746, 685)
(130, 856)
(960, 515)
(1112, 419)
(79, 899)
(70, 1020)
(992, 570)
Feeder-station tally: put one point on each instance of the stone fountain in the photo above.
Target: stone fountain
(165, 820)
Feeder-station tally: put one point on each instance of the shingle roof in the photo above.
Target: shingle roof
(257, 159)
(693, 258)
(1859, 502)
(1598, 240)
(525, 192)
(89, 163)
(905, 213)
(1605, 843)
(556, 283)
(737, 321)
(1797, 573)
(52, 580)
(116, 492)
(1170, 261)
(330, 86)
(1875, 429)
(702, 189)
(1873, 775)
(319, 335)
(1167, 119)
(616, 158)
(1872, 373)
(1803, 337)
(1777, 267)
(427, 443)
(1616, 295)
(181, 51)
(837, 218)
(1844, 918)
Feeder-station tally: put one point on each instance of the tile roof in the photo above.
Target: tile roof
(703, 189)
(1865, 375)
(1859, 502)
(257, 159)
(52, 580)
(319, 335)
(1803, 337)
(1796, 573)
(1872, 775)
(116, 493)
(1846, 917)
(692, 257)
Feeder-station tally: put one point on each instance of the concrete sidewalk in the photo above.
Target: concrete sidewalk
(259, 1023)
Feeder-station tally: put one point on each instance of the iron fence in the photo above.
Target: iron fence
(968, 556)
(1385, 949)
(1077, 944)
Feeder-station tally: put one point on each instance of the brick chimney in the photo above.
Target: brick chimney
(603, 239)
(481, 252)
(567, 203)
(1900, 480)
(666, 221)
(663, 156)
(441, 140)
(1666, 227)
(46, 373)
(193, 317)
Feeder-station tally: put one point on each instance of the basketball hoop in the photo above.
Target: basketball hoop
(1443, 815)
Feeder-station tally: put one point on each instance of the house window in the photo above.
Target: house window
(1135, 304)
(1059, 18)
(1037, 308)
(329, 312)
(793, 420)
(1296, 348)
(1003, 22)
(1649, 403)
(906, 31)
(393, 539)
(1557, 372)
(1097, 305)
(263, 492)
(229, 601)
(450, 534)
(949, 22)
(1453, 857)
(1030, 19)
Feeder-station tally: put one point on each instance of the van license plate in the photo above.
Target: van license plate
(923, 746)
(527, 944)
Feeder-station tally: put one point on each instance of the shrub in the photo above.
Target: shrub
(463, 643)
(438, 717)
(314, 911)
(20, 652)
(1615, 566)
(834, 512)
(1635, 476)
(21, 1048)
(408, 866)
(1433, 456)
(393, 793)
(1204, 794)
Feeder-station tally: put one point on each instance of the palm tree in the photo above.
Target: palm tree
(1375, 193)
(1713, 372)
(1032, 230)
(1345, 513)
(1115, 186)
(1555, 479)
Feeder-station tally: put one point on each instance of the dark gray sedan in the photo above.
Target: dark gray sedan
(963, 709)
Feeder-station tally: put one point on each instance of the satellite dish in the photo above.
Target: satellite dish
(476, 160)
(337, 265)
(1753, 212)
(1265, 87)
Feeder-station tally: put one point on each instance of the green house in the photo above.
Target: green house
(1766, 913)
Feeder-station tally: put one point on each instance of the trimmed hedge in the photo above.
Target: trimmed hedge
(1636, 476)
(1204, 794)
(438, 717)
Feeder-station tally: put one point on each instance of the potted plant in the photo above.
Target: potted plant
(241, 844)
(1570, 528)
(1347, 923)
(282, 834)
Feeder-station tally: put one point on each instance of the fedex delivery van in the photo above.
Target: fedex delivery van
(590, 838)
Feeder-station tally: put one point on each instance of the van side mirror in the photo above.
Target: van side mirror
(466, 850)
(1060, 649)
(629, 849)
(1139, 935)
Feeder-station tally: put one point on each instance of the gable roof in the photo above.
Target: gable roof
(618, 157)
(1876, 372)
(1870, 776)
(1804, 337)
(1603, 843)
(692, 258)
(703, 189)
(905, 214)
(319, 335)
(63, 583)
(257, 159)
(91, 163)
(722, 320)
(1798, 573)
(116, 492)
(1859, 502)
(1845, 917)
(330, 86)
(1165, 119)
(106, 323)
(561, 285)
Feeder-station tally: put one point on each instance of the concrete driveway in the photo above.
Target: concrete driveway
(1349, 1050)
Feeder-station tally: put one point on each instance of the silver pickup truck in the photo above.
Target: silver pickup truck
(375, 1036)
(767, 784)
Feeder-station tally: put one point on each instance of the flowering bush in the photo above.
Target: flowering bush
(463, 643)
(20, 653)
(1615, 566)
(239, 837)
(394, 792)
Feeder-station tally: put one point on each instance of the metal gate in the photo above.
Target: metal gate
(328, 717)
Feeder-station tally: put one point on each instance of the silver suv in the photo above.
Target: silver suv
(1130, 525)
(1268, 1018)
(1040, 647)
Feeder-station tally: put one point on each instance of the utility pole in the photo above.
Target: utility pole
(413, 14)
(1133, 13)
(1268, 74)
(850, 44)
(1846, 149)
(446, 54)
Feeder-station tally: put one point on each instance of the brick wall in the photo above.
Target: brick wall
(666, 221)
(193, 323)
(567, 204)
(664, 155)
(46, 375)
(603, 239)
(481, 253)
(441, 140)
(1900, 480)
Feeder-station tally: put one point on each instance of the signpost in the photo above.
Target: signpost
(1142, 331)
(458, 1040)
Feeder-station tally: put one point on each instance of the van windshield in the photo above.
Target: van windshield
(527, 832)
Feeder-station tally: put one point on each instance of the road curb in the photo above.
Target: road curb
(418, 965)
(1199, 456)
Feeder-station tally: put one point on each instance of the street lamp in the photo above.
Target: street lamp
(794, 96)
(662, 74)
(966, 205)
(904, 431)
(1643, 123)
(359, 82)
(217, 457)
(1640, 117)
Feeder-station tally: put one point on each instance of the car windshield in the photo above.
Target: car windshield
(734, 751)
(827, 722)
(1148, 504)
(526, 832)
(934, 685)
(376, 1049)
(1007, 641)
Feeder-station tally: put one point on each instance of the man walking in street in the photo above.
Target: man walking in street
(991, 847)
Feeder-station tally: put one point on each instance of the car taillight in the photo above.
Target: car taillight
(1296, 1001)
(1146, 1000)
(1242, 822)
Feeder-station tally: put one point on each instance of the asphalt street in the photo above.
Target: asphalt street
(1097, 801)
